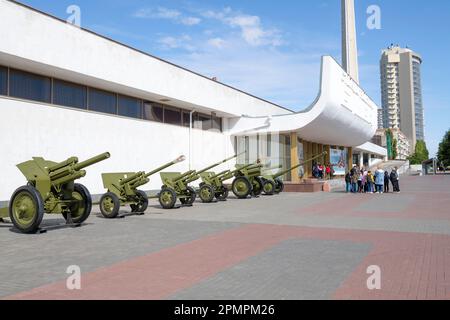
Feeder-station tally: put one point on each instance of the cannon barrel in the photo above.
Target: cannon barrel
(68, 162)
(218, 163)
(184, 175)
(177, 160)
(139, 182)
(282, 173)
(273, 168)
(69, 178)
(92, 161)
(131, 178)
(218, 175)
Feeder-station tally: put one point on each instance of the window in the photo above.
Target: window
(130, 107)
(203, 121)
(153, 112)
(69, 94)
(102, 101)
(29, 86)
(3, 81)
(187, 119)
(217, 124)
(172, 116)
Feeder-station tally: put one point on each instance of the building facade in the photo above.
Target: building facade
(380, 119)
(403, 143)
(401, 90)
(66, 91)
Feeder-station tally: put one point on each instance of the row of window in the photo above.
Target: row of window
(24, 85)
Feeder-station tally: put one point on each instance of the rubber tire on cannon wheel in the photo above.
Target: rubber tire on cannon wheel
(191, 199)
(167, 198)
(222, 195)
(80, 191)
(31, 201)
(257, 187)
(142, 206)
(109, 205)
(279, 186)
(206, 193)
(269, 188)
(241, 187)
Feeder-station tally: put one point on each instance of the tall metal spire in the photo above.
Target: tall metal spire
(349, 46)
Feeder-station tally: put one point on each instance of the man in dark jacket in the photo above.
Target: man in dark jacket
(386, 182)
(394, 180)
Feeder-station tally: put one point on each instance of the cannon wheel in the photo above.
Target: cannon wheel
(109, 205)
(206, 193)
(258, 185)
(167, 198)
(222, 195)
(241, 187)
(26, 209)
(191, 196)
(143, 202)
(279, 186)
(80, 212)
(269, 187)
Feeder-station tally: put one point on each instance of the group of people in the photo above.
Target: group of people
(365, 181)
(322, 172)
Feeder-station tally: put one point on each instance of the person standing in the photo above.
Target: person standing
(379, 180)
(321, 171)
(395, 181)
(348, 183)
(370, 182)
(328, 172)
(360, 176)
(386, 182)
(356, 181)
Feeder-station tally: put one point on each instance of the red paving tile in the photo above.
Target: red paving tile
(413, 266)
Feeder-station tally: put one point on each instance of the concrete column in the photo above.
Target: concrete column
(361, 159)
(350, 158)
(294, 157)
(307, 149)
(327, 156)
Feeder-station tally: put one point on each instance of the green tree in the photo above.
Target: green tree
(421, 153)
(394, 149)
(444, 150)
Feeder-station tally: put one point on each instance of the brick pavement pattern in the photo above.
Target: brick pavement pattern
(291, 246)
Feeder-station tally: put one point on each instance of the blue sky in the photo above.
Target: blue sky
(272, 48)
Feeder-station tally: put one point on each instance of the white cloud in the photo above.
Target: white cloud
(190, 21)
(159, 13)
(218, 43)
(286, 78)
(168, 14)
(252, 30)
(182, 42)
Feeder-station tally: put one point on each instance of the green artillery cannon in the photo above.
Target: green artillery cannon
(123, 190)
(51, 189)
(212, 183)
(272, 183)
(247, 180)
(176, 186)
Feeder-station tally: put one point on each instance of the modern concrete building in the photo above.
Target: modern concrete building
(402, 92)
(380, 119)
(67, 91)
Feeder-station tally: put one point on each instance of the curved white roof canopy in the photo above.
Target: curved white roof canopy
(342, 114)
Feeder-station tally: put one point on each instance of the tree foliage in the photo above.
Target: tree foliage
(421, 153)
(444, 150)
(394, 149)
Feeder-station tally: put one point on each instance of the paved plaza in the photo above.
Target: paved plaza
(291, 246)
